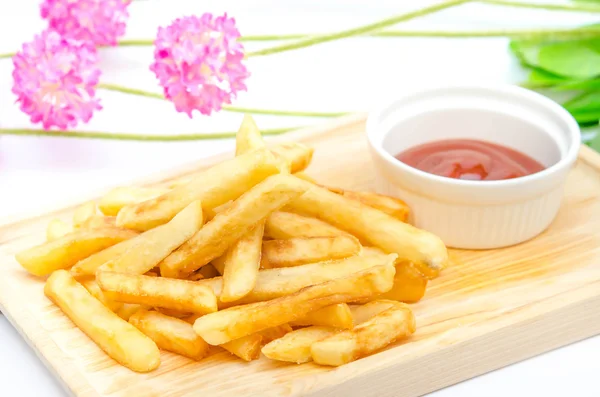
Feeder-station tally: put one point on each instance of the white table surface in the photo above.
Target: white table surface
(340, 76)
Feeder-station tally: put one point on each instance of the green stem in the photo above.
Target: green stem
(130, 136)
(361, 30)
(544, 6)
(135, 91)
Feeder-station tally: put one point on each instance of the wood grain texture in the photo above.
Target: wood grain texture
(490, 309)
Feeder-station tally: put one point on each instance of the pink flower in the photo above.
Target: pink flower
(198, 62)
(100, 21)
(55, 79)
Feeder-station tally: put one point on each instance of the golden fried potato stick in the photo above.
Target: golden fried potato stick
(88, 266)
(390, 205)
(362, 313)
(182, 295)
(98, 221)
(229, 226)
(112, 202)
(242, 259)
(296, 155)
(56, 229)
(424, 249)
(366, 338)
(270, 334)
(336, 316)
(300, 251)
(129, 309)
(94, 289)
(83, 213)
(239, 321)
(156, 244)
(170, 334)
(213, 187)
(247, 348)
(119, 339)
(275, 283)
(285, 225)
(409, 284)
(306, 177)
(65, 251)
(295, 346)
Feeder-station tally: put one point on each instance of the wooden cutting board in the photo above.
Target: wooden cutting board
(490, 309)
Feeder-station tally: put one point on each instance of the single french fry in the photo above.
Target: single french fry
(56, 229)
(285, 225)
(247, 348)
(170, 334)
(409, 284)
(295, 346)
(336, 316)
(242, 262)
(173, 313)
(275, 283)
(236, 322)
(242, 259)
(119, 339)
(65, 251)
(129, 309)
(424, 249)
(88, 266)
(296, 155)
(195, 276)
(270, 334)
(229, 226)
(213, 187)
(300, 251)
(366, 338)
(390, 205)
(98, 221)
(182, 295)
(362, 313)
(156, 244)
(306, 177)
(94, 289)
(112, 202)
(83, 213)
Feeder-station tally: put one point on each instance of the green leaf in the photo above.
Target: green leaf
(577, 85)
(576, 59)
(539, 78)
(583, 102)
(526, 52)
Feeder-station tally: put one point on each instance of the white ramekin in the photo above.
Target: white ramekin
(476, 214)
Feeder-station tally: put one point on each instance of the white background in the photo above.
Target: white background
(341, 76)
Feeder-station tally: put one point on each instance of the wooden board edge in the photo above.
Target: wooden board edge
(47, 351)
(489, 352)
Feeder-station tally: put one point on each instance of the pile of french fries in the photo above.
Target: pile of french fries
(250, 255)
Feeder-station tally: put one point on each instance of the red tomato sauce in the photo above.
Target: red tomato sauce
(470, 159)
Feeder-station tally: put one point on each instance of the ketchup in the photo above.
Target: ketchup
(470, 159)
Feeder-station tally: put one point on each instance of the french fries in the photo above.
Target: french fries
(129, 309)
(409, 284)
(362, 313)
(390, 205)
(154, 245)
(273, 333)
(336, 316)
(227, 227)
(306, 177)
(182, 295)
(378, 228)
(170, 334)
(119, 197)
(83, 213)
(65, 251)
(295, 346)
(213, 187)
(89, 265)
(119, 339)
(94, 289)
(296, 155)
(56, 229)
(275, 283)
(366, 338)
(247, 348)
(98, 221)
(284, 225)
(242, 260)
(300, 251)
(236, 322)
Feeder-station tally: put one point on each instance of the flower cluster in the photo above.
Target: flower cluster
(198, 62)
